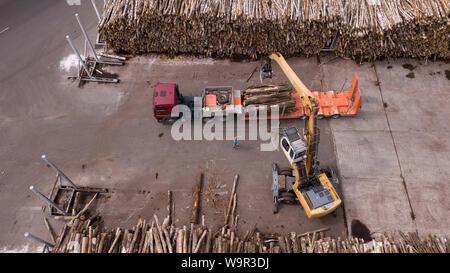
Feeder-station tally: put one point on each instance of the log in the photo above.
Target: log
(123, 248)
(115, 241)
(143, 236)
(84, 244)
(152, 240)
(313, 232)
(180, 238)
(208, 242)
(166, 235)
(90, 233)
(60, 238)
(50, 230)
(102, 242)
(87, 206)
(233, 210)
(197, 247)
(295, 248)
(194, 240)
(160, 233)
(136, 233)
(169, 207)
(282, 243)
(236, 177)
(197, 193)
(158, 242)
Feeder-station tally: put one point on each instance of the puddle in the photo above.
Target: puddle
(73, 2)
(410, 67)
(68, 62)
(411, 75)
(360, 230)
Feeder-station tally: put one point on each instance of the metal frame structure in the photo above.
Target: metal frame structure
(98, 41)
(330, 47)
(54, 207)
(88, 65)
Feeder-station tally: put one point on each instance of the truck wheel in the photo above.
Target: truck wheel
(222, 98)
(285, 171)
(288, 197)
(320, 116)
(160, 120)
(336, 116)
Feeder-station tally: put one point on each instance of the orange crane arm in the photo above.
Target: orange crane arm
(309, 101)
(293, 78)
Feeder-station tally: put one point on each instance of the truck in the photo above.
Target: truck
(331, 103)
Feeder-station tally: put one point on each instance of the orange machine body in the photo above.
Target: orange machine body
(331, 103)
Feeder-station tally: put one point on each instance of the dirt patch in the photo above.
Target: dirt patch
(411, 75)
(447, 74)
(436, 146)
(360, 230)
(389, 67)
(410, 67)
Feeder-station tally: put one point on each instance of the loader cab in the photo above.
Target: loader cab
(165, 97)
(293, 145)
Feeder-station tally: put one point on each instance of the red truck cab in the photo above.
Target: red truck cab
(165, 97)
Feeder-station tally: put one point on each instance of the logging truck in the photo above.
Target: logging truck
(227, 100)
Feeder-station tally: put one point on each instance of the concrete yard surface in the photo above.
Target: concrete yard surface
(104, 135)
(392, 158)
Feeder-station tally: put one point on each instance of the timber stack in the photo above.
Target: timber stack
(269, 95)
(86, 236)
(367, 29)
(375, 29)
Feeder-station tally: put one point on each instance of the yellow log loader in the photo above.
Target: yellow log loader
(315, 189)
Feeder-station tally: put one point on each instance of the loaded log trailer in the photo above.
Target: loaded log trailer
(331, 103)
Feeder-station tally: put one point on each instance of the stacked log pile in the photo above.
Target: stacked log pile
(269, 95)
(368, 29)
(221, 28)
(396, 28)
(84, 234)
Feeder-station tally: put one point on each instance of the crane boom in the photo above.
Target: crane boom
(309, 102)
(310, 184)
(298, 85)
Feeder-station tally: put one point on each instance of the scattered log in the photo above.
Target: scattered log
(180, 238)
(236, 177)
(169, 206)
(50, 230)
(167, 238)
(197, 193)
(197, 247)
(160, 233)
(115, 241)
